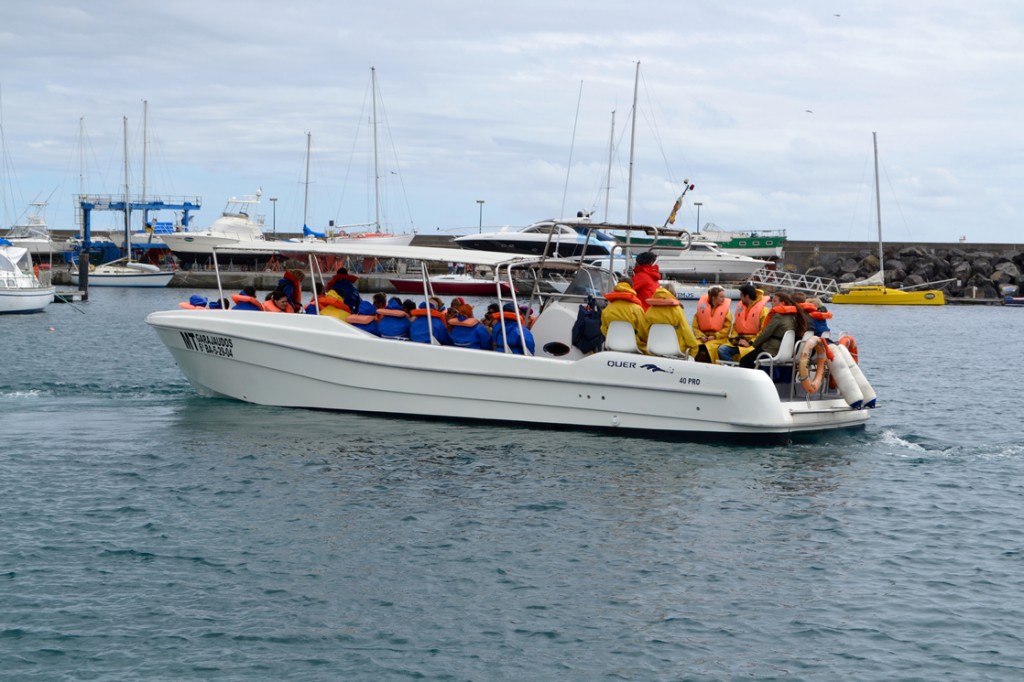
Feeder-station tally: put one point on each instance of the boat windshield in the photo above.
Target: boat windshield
(594, 234)
(590, 282)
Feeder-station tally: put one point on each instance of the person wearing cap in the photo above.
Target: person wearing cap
(751, 313)
(646, 277)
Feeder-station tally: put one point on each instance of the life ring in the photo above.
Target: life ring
(809, 384)
(91, 267)
(851, 345)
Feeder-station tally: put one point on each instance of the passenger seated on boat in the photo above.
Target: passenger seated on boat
(646, 277)
(246, 299)
(427, 321)
(467, 331)
(712, 324)
(345, 285)
(222, 304)
(586, 331)
(277, 302)
(506, 333)
(393, 321)
(365, 318)
(195, 302)
(665, 308)
(751, 313)
(623, 304)
(491, 316)
(460, 305)
(331, 305)
(817, 314)
(784, 316)
(437, 303)
(409, 305)
(291, 284)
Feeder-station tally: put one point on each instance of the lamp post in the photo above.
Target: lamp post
(273, 202)
(480, 226)
(696, 203)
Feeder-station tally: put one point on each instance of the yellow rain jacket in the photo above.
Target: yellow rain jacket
(666, 309)
(624, 304)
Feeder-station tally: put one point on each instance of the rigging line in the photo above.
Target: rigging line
(572, 145)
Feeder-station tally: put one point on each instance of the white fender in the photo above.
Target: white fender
(858, 375)
(844, 380)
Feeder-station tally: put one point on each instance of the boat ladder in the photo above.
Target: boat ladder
(819, 286)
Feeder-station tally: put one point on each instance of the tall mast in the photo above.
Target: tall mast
(305, 203)
(878, 210)
(81, 156)
(608, 183)
(145, 130)
(632, 148)
(127, 209)
(376, 163)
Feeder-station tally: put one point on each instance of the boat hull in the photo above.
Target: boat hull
(25, 300)
(322, 363)
(196, 249)
(879, 295)
(454, 285)
(508, 243)
(153, 280)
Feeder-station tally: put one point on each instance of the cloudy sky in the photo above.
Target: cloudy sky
(768, 109)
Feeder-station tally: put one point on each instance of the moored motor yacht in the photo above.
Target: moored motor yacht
(239, 224)
(20, 288)
(552, 238)
(320, 362)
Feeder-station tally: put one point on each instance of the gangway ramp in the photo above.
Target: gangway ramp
(819, 286)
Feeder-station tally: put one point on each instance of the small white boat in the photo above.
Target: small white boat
(20, 289)
(125, 273)
(320, 362)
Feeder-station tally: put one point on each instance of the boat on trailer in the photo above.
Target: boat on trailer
(320, 362)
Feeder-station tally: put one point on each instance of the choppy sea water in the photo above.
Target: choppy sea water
(148, 533)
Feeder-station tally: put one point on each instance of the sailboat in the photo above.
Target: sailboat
(126, 272)
(376, 235)
(873, 291)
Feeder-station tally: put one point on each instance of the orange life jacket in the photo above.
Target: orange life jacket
(422, 312)
(780, 310)
(467, 322)
(332, 302)
(711, 319)
(241, 298)
(623, 296)
(663, 301)
(270, 307)
(748, 320)
(296, 298)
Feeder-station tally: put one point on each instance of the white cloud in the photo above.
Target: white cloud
(768, 109)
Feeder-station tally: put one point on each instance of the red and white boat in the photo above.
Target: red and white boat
(452, 285)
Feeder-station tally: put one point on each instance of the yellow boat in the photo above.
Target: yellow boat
(873, 291)
(876, 294)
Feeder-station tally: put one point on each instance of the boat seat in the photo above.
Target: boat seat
(621, 337)
(785, 356)
(663, 340)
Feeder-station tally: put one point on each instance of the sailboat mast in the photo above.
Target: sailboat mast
(127, 209)
(376, 163)
(878, 208)
(145, 130)
(305, 203)
(608, 181)
(632, 149)
(81, 156)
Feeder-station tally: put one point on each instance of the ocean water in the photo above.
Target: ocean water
(147, 533)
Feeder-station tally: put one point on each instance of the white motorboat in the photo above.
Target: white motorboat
(238, 225)
(34, 234)
(701, 261)
(570, 238)
(20, 289)
(320, 362)
(125, 273)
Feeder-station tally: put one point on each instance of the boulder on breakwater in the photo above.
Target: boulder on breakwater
(984, 272)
